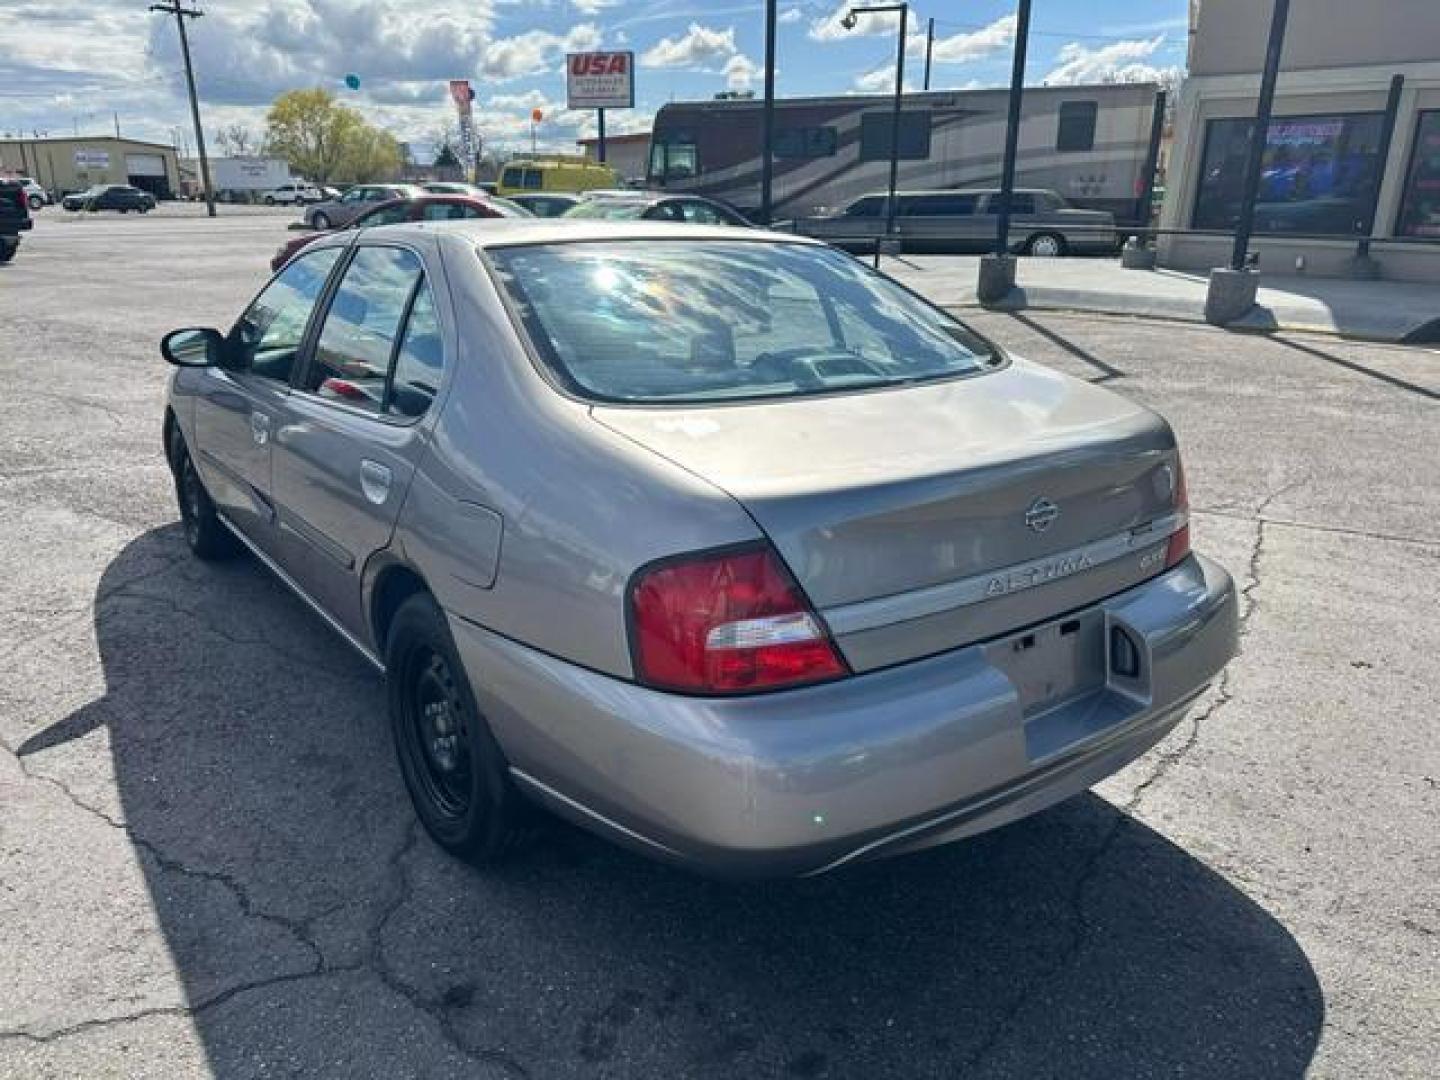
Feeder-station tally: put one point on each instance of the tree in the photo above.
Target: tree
(237, 140)
(446, 158)
(324, 140)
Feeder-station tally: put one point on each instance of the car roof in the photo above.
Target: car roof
(959, 191)
(508, 232)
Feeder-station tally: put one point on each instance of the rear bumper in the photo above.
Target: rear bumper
(806, 780)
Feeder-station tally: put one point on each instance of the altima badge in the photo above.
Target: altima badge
(1042, 514)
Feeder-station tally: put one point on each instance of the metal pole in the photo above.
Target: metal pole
(1152, 160)
(600, 147)
(929, 48)
(1256, 154)
(895, 124)
(767, 118)
(117, 125)
(1382, 155)
(1012, 129)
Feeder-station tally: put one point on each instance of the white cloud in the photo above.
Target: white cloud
(535, 51)
(959, 48)
(701, 47)
(593, 7)
(882, 81)
(1120, 61)
(791, 15)
(740, 72)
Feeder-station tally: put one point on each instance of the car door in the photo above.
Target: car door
(236, 405)
(939, 221)
(354, 427)
(352, 204)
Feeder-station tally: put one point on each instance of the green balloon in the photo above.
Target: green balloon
(352, 81)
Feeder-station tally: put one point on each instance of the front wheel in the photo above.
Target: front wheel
(8, 249)
(455, 772)
(320, 221)
(205, 533)
(1045, 245)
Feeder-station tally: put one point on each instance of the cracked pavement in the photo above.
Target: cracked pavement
(208, 866)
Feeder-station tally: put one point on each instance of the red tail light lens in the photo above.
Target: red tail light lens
(1179, 546)
(729, 622)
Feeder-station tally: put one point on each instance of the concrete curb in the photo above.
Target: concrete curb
(1261, 318)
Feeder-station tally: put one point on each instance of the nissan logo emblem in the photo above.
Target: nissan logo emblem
(1042, 514)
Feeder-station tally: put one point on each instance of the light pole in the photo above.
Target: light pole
(767, 119)
(849, 21)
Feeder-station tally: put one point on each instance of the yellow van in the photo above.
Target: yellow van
(555, 173)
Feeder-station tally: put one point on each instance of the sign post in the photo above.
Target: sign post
(600, 81)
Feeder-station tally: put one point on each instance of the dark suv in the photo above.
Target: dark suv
(14, 218)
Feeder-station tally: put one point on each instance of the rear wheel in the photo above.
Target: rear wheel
(8, 249)
(321, 220)
(204, 532)
(455, 772)
(1045, 245)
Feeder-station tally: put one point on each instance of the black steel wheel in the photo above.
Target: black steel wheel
(455, 772)
(204, 531)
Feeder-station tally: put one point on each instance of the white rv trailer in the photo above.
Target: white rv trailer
(1088, 143)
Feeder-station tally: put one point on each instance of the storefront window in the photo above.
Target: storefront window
(1318, 175)
(1420, 205)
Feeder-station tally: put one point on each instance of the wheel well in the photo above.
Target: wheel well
(396, 585)
(169, 432)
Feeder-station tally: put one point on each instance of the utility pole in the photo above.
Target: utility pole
(1012, 130)
(767, 119)
(181, 14)
(929, 48)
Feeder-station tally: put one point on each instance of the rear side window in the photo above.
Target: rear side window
(363, 323)
(420, 360)
(875, 132)
(268, 336)
(869, 206)
(1077, 125)
(937, 205)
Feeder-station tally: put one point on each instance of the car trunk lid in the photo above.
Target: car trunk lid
(919, 519)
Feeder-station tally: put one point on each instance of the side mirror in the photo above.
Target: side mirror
(193, 348)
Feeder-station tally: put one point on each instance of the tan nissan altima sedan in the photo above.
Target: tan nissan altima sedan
(716, 542)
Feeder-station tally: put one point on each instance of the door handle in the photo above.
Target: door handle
(260, 428)
(374, 481)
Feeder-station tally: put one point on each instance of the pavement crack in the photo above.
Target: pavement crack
(436, 1009)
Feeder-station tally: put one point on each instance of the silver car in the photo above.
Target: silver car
(1042, 223)
(713, 541)
(336, 213)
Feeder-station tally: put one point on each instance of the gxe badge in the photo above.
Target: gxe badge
(1042, 514)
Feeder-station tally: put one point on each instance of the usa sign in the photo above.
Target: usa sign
(600, 80)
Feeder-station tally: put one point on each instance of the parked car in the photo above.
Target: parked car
(560, 173)
(718, 543)
(336, 212)
(298, 192)
(421, 208)
(654, 206)
(1041, 223)
(35, 195)
(121, 197)
(14, 217)
(552, 205)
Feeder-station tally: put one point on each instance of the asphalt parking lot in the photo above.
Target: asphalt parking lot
(208, 865)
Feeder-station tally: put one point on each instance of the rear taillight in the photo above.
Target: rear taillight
(1179, 546)
(727, 622)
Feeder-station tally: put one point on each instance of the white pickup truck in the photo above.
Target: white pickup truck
(299, 192)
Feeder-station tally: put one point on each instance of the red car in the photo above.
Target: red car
(422, 208)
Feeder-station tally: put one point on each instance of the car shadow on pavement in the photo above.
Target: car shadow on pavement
(317, 931)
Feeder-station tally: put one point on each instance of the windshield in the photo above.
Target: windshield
(610, 209)
(714, 320)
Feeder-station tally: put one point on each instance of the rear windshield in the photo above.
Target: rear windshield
(712, 320)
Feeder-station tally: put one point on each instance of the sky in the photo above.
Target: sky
(73, 65)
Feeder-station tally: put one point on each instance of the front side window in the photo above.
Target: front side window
(937, 205)
(868, 207)
(875, 131)
(385, 215)
(675, 159)
(700, 321)
(1420, 203)
(354, 195)
(352, 358)
(1318, 174)
(511, 177)
(268, 336)
(1077, 126)
(532, 179)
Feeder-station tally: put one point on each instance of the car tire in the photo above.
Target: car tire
(8, 250)
(205, 534)
(320, 220)
(458, 779)
(1045, 245)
